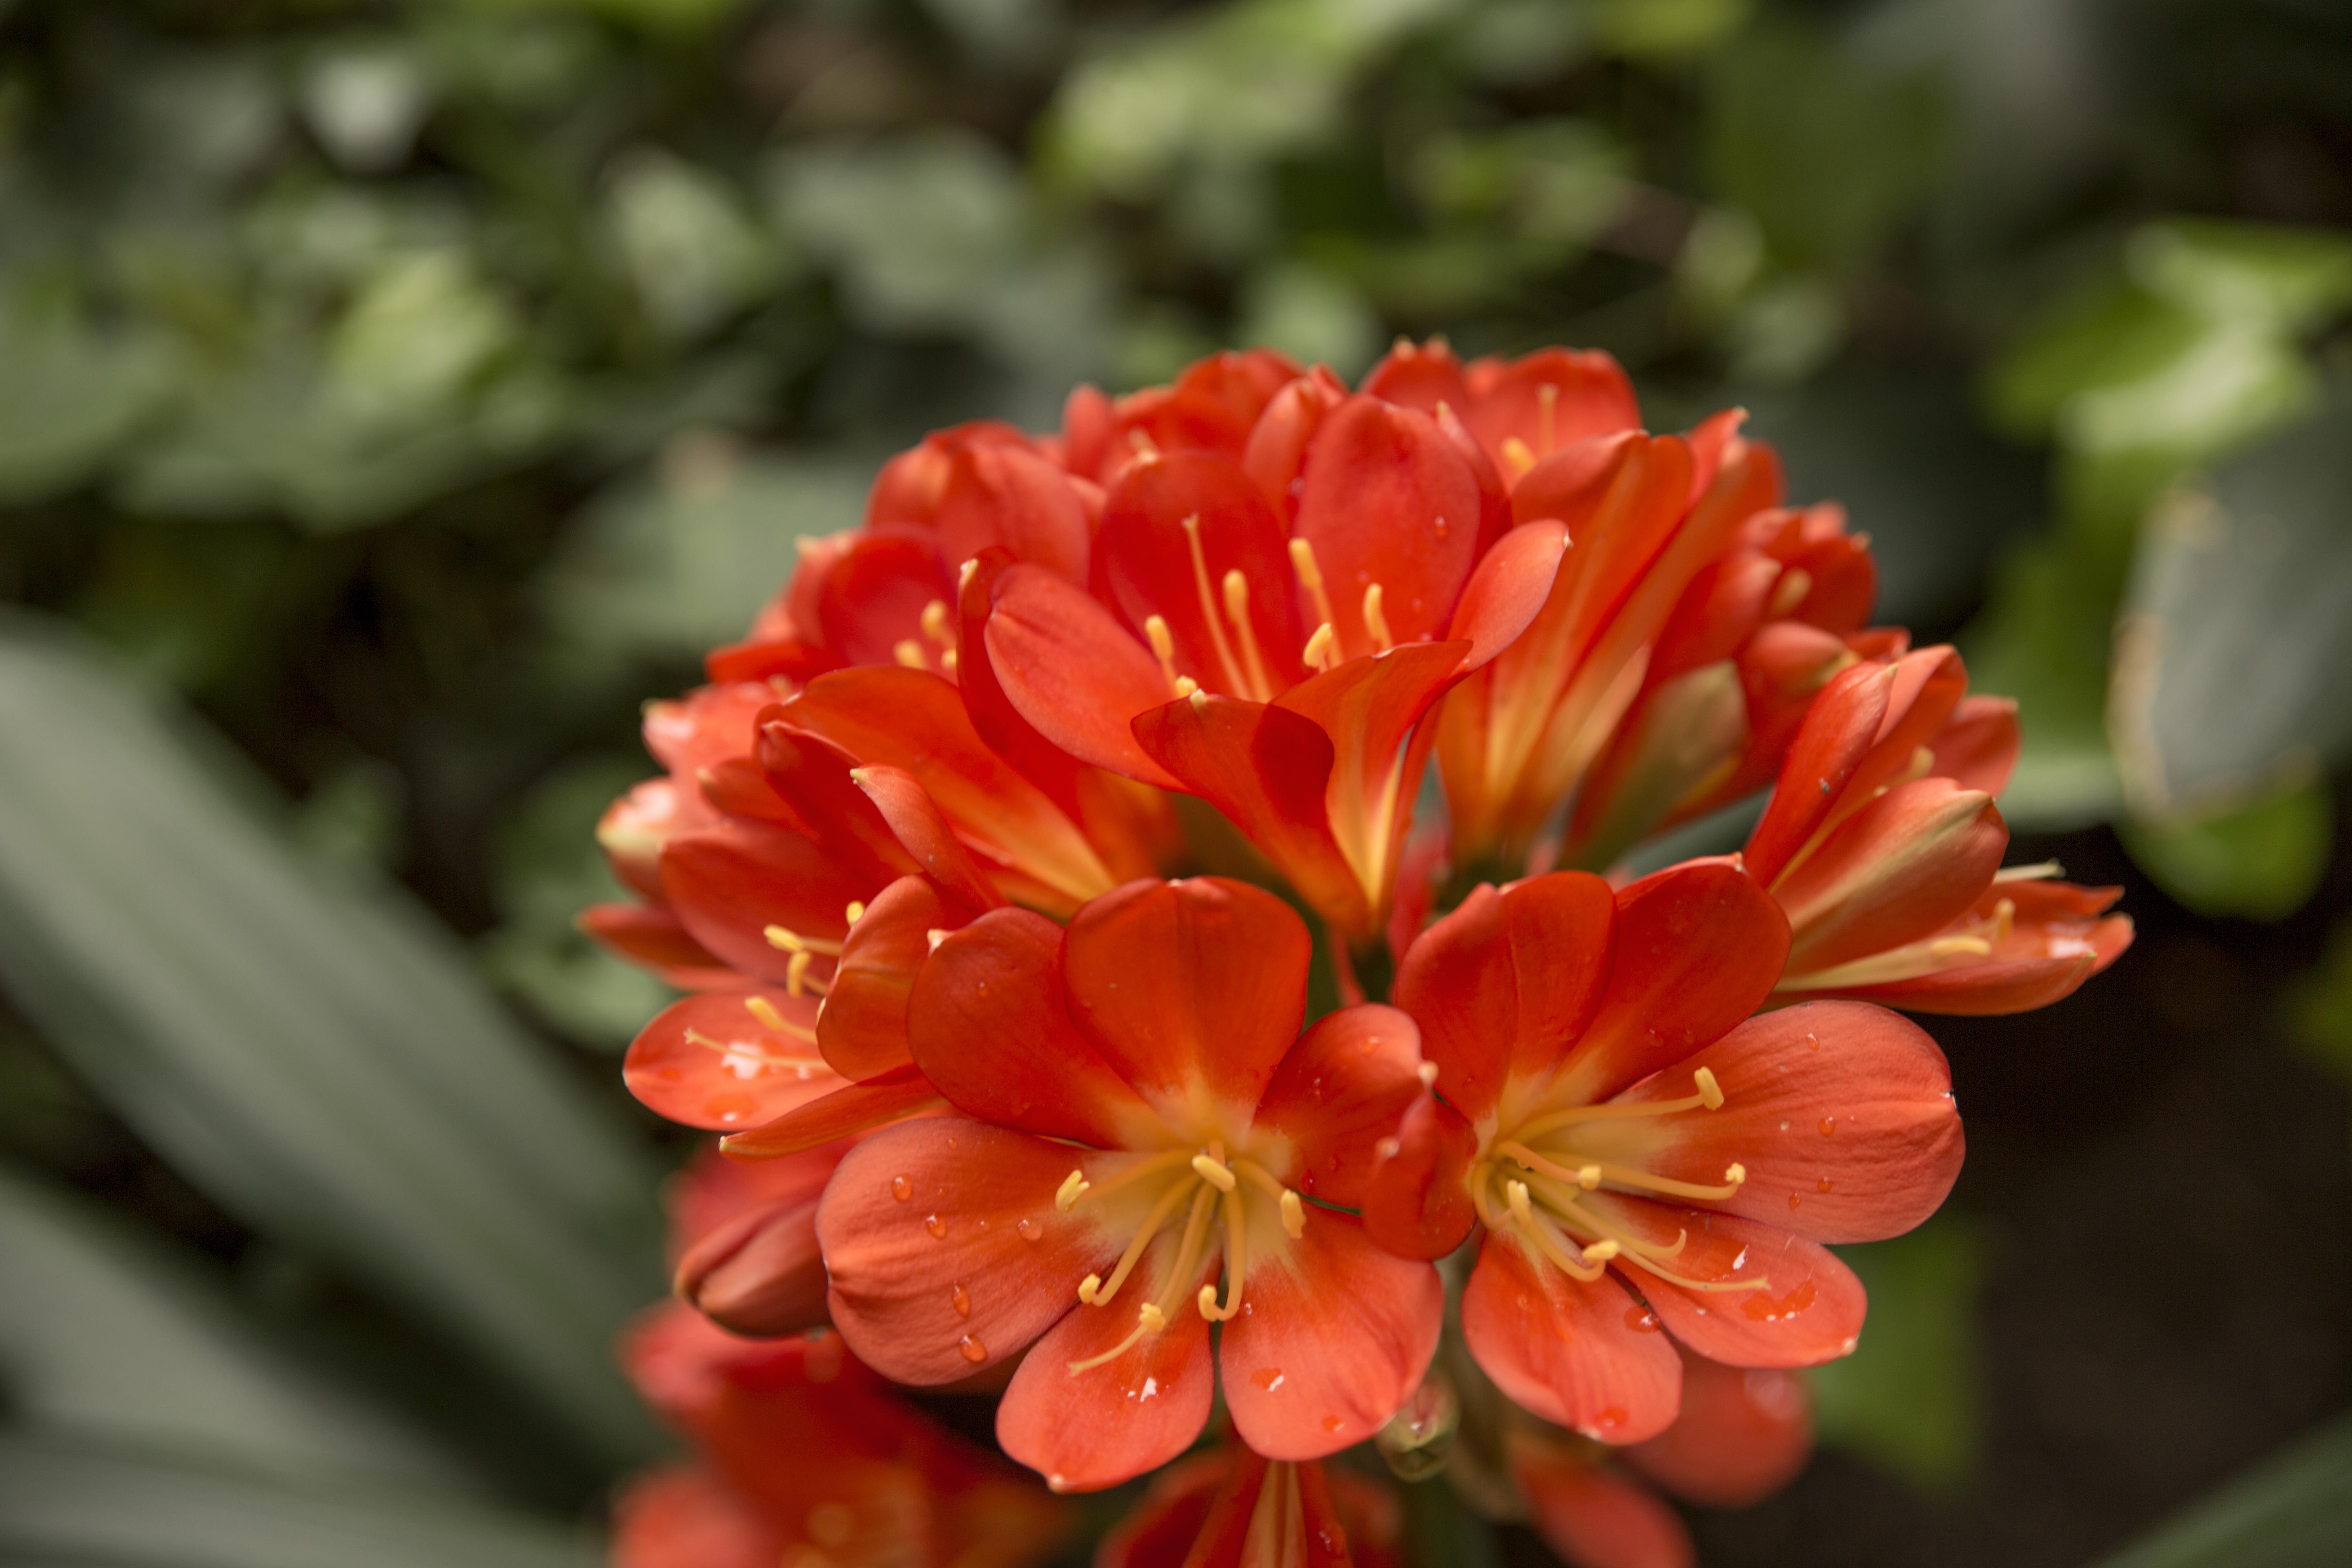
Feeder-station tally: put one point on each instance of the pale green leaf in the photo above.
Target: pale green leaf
(2294, 1510)
(106, 1334)
(2262, 861)
(308, 1049)
(1908, 1398)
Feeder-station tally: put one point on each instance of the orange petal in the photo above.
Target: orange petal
(1338, 1093)
(1591, 1518)
(710, 1061)
(1812, 1312)
(1074, 673)
(1581, 1354)
(1744, 1434)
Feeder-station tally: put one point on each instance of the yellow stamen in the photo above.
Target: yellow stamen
(935, 625)
(1237, 1263)
(1074, 1186)
(910, 652)
(798, 981)
(1213, 1173)
(1163, 647)
(1517, 458)
(765, 1059)
(855, 911)
(1788, 593)
(760, 1008)
(1294, 1216)
(1709, 1095)
(1602, 1251)
(1100, 1294)
(1236, 587)
(1547, 418)
(1957, 946)
(1376, 624)
(1709, 1090)
(1225, 660)
(1153, 1165)
(1196, 1233)
(2034, 873)
(1311, 577)
(791, 940)
(1323, 649)
(1148, 1320)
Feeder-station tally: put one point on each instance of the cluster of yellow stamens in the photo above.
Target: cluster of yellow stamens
(941, 629)
(1201, 1183)
(1977, 938)
(1240, 660)
(763, 1013)
(1530, 1182)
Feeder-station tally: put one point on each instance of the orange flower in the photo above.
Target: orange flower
(1229, 1508)
(1690, 619)
(805, 1458)
(1883, 846)
(1638, 1152)
(743, 1238)
(1742, 1435)
(1138, 1116)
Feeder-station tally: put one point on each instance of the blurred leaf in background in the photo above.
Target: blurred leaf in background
(1911, 1397)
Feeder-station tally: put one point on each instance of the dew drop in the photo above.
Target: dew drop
(1332, 1423)
(1823, 1185)
(1267, 1377)
(1029, 1230)
(973, 1351)
(935, 1226)
(1794, 1201)
(1610, 1419)
(1829, 1125)
(1784, 1127)
(951, 1142)
(1641, 1320)
(962, 1300)
(901, 1188)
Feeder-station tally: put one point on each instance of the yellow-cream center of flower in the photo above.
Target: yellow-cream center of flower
(1531, 1182)
(1196, 1186)
(1240, 663)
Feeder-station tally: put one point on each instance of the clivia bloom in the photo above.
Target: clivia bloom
(1743, 1435)
(1639, 1152)
(1266, 632)
(743, 1236)
(806, 1459)
(1883, 846)
(1229, 1508)
(1689, 622)
(1143, 1145)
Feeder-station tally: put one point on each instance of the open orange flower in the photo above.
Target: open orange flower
(1139, 1117)
(1229, 1508)
(803, 1459)
(1689, 622)
(1641, 1153)
(1743, 1434)
(1883, 846)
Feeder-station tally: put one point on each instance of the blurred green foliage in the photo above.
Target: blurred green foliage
(411, 386)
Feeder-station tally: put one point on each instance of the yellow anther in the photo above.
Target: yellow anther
(910, 652)
(1294, 1216)
(1072, 1187)
(1163, 647)
(1213, 1173)
(935, 625)
(1151, 1318)
(1602, 1251)
(1323, 649)
(1311, 577)
(1142, 446)
(1517, 458)
(947, 662)
(760, 1008)
(788, 940)
(1709, 1091)
(796, 972)
(1207, 1302)
(1588, 1177)
(1234, 679)
(1148, 1320)
(855, 910)
(1087, 1287)
(2034, 873)
(934, 936)
(1734, 1175)
(1958, 946)
(1427, 1073)
(1189, 690)
(1376, 624)
(964, 571)
(1514, 1192)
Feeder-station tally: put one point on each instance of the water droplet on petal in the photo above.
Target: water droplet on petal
(1641, 1320)
(1332, 1423)
(1030, 1230)
(973, 1351)
(901, 1188)
(935, 1226)
(962, 1300)
(1823, 1185)
(1829, 1125)
(1794, 1201)
(1267, 1377)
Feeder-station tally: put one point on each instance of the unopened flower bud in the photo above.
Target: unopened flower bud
(759, 1274)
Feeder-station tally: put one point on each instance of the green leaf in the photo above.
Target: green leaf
(695, 254)
(106, 1334)
(671, 566)
(2320, 1005)
(1830, 154)
(69, 397)
(2042, 639)
(2237, 629)
(2262, 861)
(2294, 1511)
(309, 1051)
(62, 1503)
(1907, 1397)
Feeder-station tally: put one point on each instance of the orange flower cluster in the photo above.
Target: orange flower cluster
(1029, 1117)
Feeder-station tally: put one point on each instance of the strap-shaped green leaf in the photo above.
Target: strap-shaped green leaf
(104, 1333)
(313, 1054)
(63, 1503)
(2293, 1512)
